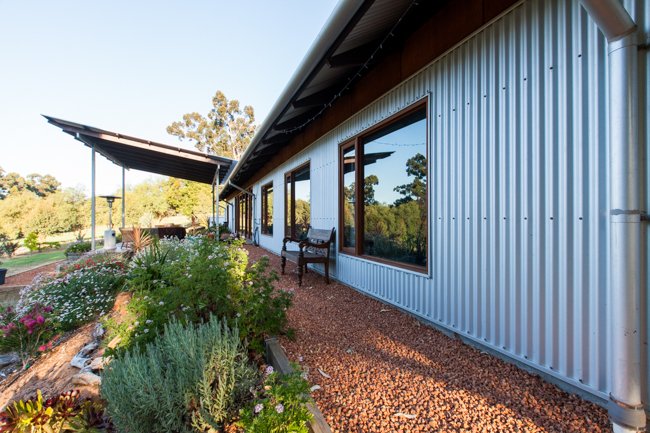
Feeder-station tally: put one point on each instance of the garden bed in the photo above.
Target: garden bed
(382, 370)
(183, 352)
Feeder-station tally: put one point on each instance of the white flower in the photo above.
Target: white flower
(161, 303)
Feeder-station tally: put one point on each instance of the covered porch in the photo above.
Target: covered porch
(140, 154)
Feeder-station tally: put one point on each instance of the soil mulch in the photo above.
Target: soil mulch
(25, 278)
(51, 373)
(390, 373)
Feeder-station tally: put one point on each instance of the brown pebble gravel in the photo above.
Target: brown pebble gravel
(391, 373)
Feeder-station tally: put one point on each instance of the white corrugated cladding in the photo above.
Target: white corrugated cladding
(518, 190)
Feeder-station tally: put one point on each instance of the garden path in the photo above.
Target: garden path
(385, 371)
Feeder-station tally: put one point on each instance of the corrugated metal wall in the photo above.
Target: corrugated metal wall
(518, 186)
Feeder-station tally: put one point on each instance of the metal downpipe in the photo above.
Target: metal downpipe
(625, 333)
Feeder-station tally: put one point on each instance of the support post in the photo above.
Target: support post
(93, 244)
(216, 203)
(213, 205)
(123, 197)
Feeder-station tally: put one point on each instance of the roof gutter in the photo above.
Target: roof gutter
(338, 20)
(628, 376)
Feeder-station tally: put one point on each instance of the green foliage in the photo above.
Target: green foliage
(78, 247)
(189, 379)
(31, 242)
(192, 279)
(86, 290)
(7, 247)
(188, 198)
(226, 131)
(26, 333)
(40, 185)
(61, 414)
(279, 405)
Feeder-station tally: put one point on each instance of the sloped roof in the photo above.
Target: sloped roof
(358, 34)
(140, 154)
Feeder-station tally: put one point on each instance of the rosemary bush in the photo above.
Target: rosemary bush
(189, 379)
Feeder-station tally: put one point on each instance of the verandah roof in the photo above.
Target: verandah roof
(139, 154)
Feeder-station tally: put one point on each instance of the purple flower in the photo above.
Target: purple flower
(259, 407)
(279, 408)
(268, 370)
(40, 320)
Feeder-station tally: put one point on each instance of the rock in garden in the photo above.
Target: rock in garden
(97, 364)
(88, 348)
(86, 379)
(79, 361)
(8, 359)
(114, 342)
(98, 332)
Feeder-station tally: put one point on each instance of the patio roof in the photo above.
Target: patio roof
(139, 154)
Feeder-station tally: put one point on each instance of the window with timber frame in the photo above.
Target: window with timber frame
(297, 208)
(383, 191)
(244, 215)
(267, 209)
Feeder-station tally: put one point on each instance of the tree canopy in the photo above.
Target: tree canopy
(226, 130)
(38, 184)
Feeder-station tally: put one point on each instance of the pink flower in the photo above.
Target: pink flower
(48, 309)
(42, 348)
(40, 319)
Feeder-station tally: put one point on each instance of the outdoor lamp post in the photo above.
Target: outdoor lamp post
(109, 234)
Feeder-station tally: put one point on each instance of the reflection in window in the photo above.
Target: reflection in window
(267, 209)
(349, 206)
(390, 202)
(298, 208)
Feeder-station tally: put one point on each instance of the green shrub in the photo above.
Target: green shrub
(78, 247)
(31, 242)
(279, 405)
(189, 379)
(193, 279)
(84, 292)
(62, 414)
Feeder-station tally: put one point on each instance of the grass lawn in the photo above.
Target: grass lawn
(27, 261)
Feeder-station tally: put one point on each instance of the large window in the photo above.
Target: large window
(297, 202)
(267, 209)
(244, 215)
(384, 191)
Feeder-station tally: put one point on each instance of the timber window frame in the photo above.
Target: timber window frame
(355, 244)
(267, 190)
(244, 214)
(290, 201)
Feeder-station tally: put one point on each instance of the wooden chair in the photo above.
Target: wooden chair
(127, 237)
(314, 249)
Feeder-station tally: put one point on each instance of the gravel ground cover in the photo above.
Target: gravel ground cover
(381, 370)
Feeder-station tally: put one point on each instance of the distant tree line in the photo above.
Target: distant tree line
(35, 203)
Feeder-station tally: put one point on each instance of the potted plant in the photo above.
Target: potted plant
(77, 249)
(3, 272)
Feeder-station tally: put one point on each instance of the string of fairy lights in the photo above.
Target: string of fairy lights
(355, 76)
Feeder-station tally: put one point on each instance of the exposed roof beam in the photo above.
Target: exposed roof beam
(295, 121)
(354, 57)
(279, 138)
(317, 99)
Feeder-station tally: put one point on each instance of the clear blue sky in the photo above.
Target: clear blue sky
(134, 67)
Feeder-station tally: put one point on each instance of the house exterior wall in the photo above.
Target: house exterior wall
(518, 175)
